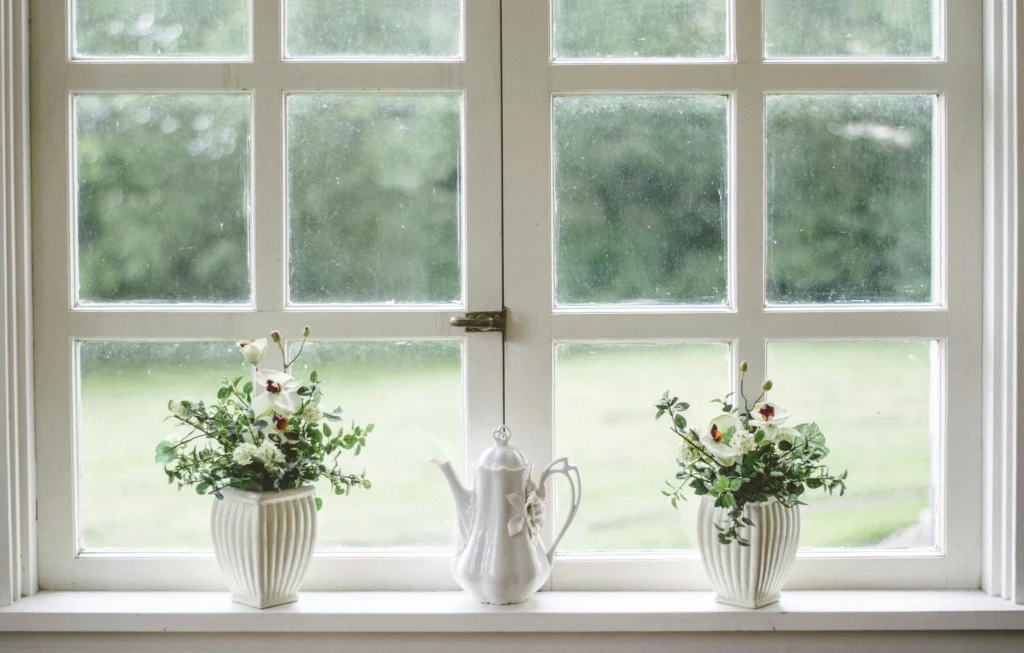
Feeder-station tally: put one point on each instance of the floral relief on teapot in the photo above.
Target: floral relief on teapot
(500, 554)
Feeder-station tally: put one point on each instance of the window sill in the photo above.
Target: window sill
(563, 612)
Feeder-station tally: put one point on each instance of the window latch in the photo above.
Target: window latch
(481, 321)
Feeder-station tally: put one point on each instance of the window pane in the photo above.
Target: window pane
(641, 28)
(412, 393)
(849, 28)
(874, 402)
(374, 28)
(374, 198)
(604, 422)
(124, 389)
(163, 198)
(849, 189)
(640, 199)
(157, 28)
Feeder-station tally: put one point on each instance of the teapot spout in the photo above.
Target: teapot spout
(463, 498)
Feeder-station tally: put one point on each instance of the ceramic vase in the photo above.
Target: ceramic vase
(264, 542)
(749, 576)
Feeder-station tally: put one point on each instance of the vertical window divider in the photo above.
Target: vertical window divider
(268, 216)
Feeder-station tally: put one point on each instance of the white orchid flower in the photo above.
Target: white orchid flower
(253, 350)
(767, 414)
(277, 393)
(723, 453)
(721, 425)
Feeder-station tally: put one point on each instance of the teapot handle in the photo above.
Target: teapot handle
(571, 472)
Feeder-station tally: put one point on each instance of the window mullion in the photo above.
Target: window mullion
(747, 192)
(268, 227)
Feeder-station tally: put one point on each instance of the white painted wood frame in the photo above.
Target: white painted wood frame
(532, 78)
(17, 477)
(266, 77)
(526, 202)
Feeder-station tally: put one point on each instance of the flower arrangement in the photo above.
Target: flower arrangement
(261, 435)
(747, 455)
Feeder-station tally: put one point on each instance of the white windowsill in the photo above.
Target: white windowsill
(447, 612)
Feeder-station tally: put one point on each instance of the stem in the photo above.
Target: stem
(299, 353)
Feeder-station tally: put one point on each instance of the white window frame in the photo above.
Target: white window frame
(532, 79)
(1001, 551)
(267, 77)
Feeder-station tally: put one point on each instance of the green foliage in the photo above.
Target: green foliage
(228, 444)
(758, 462)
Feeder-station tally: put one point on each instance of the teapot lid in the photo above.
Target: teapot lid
(502, 455)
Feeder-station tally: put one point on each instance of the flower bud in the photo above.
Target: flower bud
(767, 385)
(743, 366)
(305, 332)
(275, 336)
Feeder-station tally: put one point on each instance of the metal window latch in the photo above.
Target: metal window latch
(481, 322)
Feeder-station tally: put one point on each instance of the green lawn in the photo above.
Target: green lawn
(871, 400)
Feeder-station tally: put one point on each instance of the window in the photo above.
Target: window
(656, 190)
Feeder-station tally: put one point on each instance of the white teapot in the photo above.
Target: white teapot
(499, 554)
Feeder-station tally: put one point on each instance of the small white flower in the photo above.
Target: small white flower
(743, 442)
(268, 454)
(253, 350)
(311, 414)
(244, 453)
(277, 392)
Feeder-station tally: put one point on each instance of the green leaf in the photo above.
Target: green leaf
(313, 378)
(680, 422)
(224, 392)
(166, 452)
(327, 430)
(319, 502)
(247, 388)
(369, 428)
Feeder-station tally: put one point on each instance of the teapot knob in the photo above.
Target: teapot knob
(502, 435)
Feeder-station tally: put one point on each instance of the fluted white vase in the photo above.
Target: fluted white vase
(264, 542)
(749, 576)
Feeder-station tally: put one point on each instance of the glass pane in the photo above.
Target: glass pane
(604, 422)
(849, 189)
(374, 28)
(157, 28)
(639, 29)
(124, 390)
(374, 198)
(849, 28)
(412, 393)
(640, 199)
(163, 198)
(874, 402)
